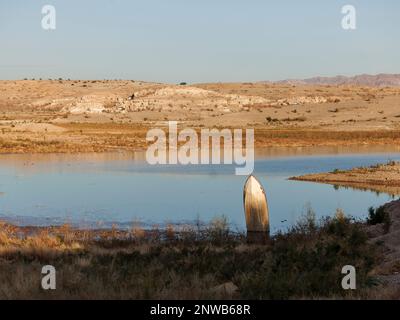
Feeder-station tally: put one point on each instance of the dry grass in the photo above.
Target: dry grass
(309, 137)
(191, 263)
(98, 137)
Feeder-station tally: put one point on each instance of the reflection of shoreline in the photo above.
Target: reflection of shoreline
(272, 152)
(377, 188)
(30, 159)
(34, 163)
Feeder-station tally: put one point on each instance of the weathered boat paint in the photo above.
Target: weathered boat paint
(256, 210)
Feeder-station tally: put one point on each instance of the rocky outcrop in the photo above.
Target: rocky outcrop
(389, 267)
(175, 98)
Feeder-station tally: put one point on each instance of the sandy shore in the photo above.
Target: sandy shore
(379, 178)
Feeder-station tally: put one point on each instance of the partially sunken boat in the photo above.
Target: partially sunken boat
(256, 211)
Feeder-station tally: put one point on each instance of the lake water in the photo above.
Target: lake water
(119, 188)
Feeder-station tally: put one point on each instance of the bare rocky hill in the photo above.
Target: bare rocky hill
(379, 80)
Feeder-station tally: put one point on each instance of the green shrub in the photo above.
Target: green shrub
(379, 215)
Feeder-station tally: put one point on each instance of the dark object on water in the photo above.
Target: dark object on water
(256, 211)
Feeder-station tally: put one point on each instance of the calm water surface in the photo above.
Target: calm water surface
(99, 190)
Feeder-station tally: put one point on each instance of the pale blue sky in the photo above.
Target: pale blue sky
(197, 41)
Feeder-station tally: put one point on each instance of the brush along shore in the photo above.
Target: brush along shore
(210, 263)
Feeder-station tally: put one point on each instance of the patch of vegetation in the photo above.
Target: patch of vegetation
(307, 261)
(300, 119)
(392, 163)
(270, 119)
(189, 263)
(378, 216)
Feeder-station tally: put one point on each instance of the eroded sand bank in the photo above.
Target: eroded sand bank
(379, 178)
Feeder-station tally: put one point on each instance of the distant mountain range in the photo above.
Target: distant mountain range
(379, 80)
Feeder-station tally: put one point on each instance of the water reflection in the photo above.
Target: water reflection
(102, 189)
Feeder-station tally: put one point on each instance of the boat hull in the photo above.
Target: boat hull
(256, 210)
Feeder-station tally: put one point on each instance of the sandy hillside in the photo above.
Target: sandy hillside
(97, 115)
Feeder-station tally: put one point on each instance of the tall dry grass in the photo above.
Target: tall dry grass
(185, 263)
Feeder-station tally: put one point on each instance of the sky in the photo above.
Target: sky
(197, 41)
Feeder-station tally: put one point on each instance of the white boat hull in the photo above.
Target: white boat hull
(256, 209)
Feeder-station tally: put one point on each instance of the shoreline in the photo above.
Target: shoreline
(379, 178)
(131, 138)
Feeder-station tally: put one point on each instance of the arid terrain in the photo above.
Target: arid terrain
(380, 178)
(71, 116)
(84, 116)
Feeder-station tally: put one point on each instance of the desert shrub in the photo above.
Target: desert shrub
(218, 230)
(379, 215)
